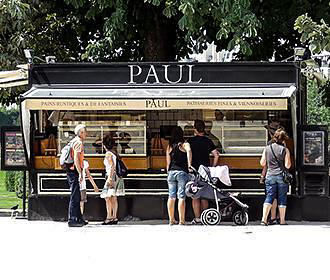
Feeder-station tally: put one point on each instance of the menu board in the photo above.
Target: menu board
(313, 145)
(14, 150)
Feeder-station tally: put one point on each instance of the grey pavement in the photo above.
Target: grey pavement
(155, 250)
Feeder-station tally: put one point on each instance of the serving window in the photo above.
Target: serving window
(128, 130)
(141, 136)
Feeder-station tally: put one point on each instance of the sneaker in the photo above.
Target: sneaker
(76, 224)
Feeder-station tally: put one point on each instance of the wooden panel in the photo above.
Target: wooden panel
(44, 162)
(233, 162)
(132, 163)
(158, 162)
(240, 162)
(143, 163)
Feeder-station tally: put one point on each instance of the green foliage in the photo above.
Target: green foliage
(9, 116)
(317, 36)
(317, 112)
(7, 199)
(166, 30)
(14, 182)
(324, 91)
(48, 27)
(14, 16)
(276, 35)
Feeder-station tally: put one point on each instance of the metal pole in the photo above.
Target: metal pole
(24, 193)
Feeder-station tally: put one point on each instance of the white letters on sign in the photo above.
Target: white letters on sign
(151, 76)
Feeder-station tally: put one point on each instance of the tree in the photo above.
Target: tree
(276, 35)
(48, 27)
(165, 30)
(317, 36)
(317, 112)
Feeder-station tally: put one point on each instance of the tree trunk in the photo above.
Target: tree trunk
(160, 39)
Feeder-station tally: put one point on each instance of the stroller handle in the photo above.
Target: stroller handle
(193, 170)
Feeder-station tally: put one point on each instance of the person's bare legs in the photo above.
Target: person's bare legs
(170, 209)
(204, 204)
(109, 208)
(282, 210)
(196, 204)
(114, 207)
(265, 212)
(82, 207)
(182, 211)
(273, 215)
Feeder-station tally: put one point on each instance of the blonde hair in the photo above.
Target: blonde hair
(279, 136)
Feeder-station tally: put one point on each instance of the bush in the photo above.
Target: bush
(317, 112)
(10, 181)
(14, 182)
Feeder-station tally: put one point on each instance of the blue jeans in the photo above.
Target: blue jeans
(276, 188)
(74, 204)
(177, 180)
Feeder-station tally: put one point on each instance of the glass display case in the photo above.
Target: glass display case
(129, 136)
(233, 137)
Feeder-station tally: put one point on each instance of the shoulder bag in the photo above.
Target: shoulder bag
(121, 169)
(287, 176)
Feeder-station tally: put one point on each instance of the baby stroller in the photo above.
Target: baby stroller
(203, 185)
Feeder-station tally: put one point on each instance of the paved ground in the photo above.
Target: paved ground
(152, 250)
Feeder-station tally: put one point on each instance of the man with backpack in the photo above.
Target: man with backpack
(74, 163)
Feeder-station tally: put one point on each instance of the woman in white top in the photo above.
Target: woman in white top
(114, 185)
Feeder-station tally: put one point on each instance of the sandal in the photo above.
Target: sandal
(285, 224)
(172, 223)
(196, 222)
(263, 223)
(107, 222)
(272, 222)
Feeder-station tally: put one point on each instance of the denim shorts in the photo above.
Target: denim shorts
(176, 181)
(276, 189)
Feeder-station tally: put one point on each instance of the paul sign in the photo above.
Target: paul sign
(162, 74)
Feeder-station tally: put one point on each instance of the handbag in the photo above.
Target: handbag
(287, 176)
(121, 169)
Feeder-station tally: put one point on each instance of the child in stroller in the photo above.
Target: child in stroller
(203, 185)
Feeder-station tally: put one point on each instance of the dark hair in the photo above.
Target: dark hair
(279, 136)
(199, 125)
(108, 142)
(219, 112)
(177, 136)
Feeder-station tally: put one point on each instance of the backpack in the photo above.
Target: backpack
(66, 155)
(121, 169)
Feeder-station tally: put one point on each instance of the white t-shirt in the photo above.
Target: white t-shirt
(83, 183)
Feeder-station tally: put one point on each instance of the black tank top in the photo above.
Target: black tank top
(178, 159)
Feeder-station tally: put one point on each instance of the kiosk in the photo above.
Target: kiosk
(139, 104)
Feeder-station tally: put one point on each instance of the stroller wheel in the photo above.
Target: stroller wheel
(210, 217)
(241, 218)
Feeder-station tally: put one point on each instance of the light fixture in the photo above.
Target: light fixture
(50, 59)
(299, 53)
(29, 54)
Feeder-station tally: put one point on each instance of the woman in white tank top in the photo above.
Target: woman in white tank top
(114, 185)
